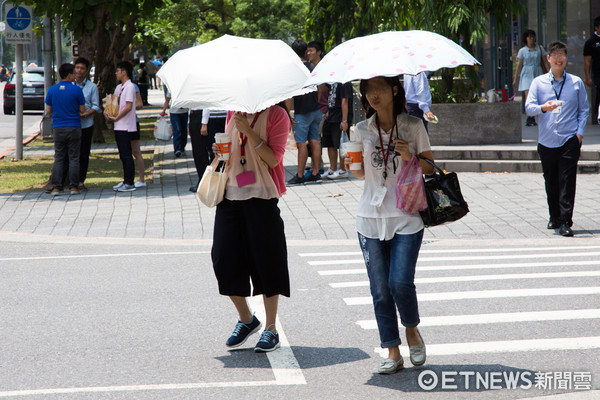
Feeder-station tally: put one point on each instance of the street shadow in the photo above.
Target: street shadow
(316, 357)
(459, 378)
(307, 357)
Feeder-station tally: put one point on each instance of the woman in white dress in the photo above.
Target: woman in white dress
(531, 56)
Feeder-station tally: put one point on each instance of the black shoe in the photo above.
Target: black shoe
(194, 188)
(177, 154)
(529, 122)
(564, 230)
(242, 331)
(552, 224)
(296, 180)
(313, 178)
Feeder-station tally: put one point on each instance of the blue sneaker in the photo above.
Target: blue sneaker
(242, 331)
(268, 341)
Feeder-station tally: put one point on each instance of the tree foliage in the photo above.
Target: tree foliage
(464, 21)
(188, 22)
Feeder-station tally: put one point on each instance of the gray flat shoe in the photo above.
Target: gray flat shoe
(389, 366)
(418, 354)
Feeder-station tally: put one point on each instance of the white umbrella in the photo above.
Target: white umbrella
(389, 54)
(234, 73)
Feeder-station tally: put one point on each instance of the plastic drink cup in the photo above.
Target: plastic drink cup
(224, 142)
(354, 151)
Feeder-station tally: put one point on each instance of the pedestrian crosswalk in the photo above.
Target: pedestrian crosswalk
(486, 287)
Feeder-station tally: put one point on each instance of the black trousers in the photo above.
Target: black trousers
(249, 246)
(123, 139)
(202, 145)
(595, 100)
(414, 110)
(84, 154)
(67, 141)
(560, 174)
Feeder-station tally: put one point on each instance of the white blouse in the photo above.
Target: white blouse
(385, 221)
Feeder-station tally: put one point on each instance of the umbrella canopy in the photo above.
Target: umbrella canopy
(234, 73)
(389, 54)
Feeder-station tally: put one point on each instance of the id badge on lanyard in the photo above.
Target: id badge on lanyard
(381, 191)
(247, 177)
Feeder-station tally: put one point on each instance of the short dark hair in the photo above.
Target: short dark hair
(557, 46)
(526, 34)
(127, 67)
(299, 46)
(597, 21)
(315, 44)
(399, 98)
(82, 60)
(65, 69)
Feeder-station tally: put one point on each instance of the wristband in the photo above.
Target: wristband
(345, 121)
(258, 145)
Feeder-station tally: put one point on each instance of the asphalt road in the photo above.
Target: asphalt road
(31, 122)
(141, 319)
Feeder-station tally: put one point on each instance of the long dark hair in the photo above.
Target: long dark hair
(526, 34)
(399, 98)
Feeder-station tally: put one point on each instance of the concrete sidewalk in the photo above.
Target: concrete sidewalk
(503, 206)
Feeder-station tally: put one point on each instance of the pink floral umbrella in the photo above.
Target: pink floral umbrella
(389, 54)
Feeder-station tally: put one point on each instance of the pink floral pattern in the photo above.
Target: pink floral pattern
(389, 53)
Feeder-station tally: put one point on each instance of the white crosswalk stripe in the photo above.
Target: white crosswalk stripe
(566, 275)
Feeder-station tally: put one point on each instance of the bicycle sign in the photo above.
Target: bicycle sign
(18, 24)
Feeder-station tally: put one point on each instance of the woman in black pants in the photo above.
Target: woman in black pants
(203, 126)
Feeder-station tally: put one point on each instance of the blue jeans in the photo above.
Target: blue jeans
(391, 269)
(179, 124)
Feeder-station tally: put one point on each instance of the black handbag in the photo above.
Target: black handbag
(445, 202)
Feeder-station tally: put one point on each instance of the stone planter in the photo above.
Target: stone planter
(476, 123)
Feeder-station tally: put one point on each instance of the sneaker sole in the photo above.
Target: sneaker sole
(247, 336)
(261, 350)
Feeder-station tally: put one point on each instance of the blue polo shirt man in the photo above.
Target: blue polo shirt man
(560, 100)
(65, 102)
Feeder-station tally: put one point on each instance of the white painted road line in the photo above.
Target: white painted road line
(133, 388)
(449, 251)
(145, 254)
(564, 264)
(283, 362)
(467, 258)
(474, 278)
(496, 318)
(506, 346)
(489, 294)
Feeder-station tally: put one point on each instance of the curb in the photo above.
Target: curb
(25, 142)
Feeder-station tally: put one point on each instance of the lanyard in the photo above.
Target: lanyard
(386, 154)
(561, 86)
(244, 139)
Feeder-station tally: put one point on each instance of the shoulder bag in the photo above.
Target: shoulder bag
(445, 202)
(542, 61)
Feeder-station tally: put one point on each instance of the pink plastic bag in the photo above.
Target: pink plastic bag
(410, 190)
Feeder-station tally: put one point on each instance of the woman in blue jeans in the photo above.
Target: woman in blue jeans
(390, 239)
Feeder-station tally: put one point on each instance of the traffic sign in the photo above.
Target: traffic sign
(19, 24)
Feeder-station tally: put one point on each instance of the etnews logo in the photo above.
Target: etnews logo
(453, 380)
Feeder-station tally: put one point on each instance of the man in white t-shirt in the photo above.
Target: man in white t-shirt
(125, 124)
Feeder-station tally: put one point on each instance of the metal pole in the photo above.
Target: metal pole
(48, 81)
(19, 101)
(57, 45)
